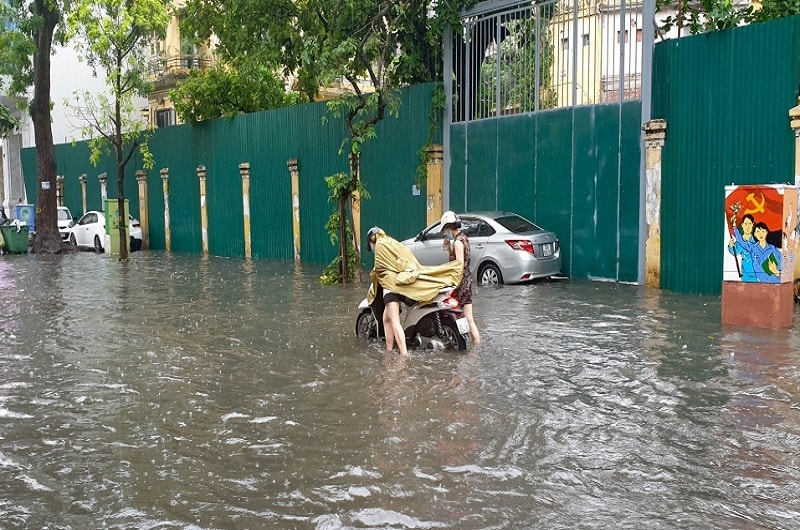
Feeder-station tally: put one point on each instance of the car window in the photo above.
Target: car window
(470, 227)
(516, 224)
(435, 232)
(484, 230)
(63, 215)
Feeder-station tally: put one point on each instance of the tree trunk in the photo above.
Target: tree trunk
(123, 213)
(48, 240)
(343, 236)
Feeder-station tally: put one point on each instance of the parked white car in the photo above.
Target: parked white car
(90, 232)
(65, 222)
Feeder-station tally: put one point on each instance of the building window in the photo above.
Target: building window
(165, 117)
(585, 39)
(565, 43)
(638, 35)
(626, 36)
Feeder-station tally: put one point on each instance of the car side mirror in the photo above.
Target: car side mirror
(419, 237)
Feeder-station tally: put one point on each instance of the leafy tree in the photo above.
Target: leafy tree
(28, 29)
(702, 16)
(220, 92)
(371, 46)
(519, 52)
(113, 36)
(8, 123)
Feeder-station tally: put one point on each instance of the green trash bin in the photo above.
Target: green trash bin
(16, 241)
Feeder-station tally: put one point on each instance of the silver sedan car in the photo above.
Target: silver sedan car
(504, 247)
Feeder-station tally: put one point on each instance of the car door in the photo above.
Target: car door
(478, 232)
(84, 235)
(428, 246)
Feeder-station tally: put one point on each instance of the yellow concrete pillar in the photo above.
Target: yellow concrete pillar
(201, 174)
(355, 205)
(794, 122)
(434, 184)
(654, 134)
(165, 186)
(82, 178)
(295, 175)
(103, 178)
(59, 190)
(244, 171)
(144, 219)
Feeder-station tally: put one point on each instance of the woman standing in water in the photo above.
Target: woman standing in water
(457, 246)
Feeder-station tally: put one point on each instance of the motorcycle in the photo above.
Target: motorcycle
(438, 324)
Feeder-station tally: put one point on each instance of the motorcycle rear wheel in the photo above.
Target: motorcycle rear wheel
(366, 325)
(451, 338)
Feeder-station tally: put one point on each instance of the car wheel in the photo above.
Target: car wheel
(366, 326)
(72, 242)
(98, 246)
(489, 274)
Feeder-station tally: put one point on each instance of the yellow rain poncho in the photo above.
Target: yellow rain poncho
(398, 270)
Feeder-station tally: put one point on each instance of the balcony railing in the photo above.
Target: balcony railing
(176, 65)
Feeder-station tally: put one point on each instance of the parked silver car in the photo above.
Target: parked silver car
(504, 247)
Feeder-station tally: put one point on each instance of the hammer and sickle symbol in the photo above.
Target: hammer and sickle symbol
(759, 208)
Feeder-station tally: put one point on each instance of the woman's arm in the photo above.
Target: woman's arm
(459, 251)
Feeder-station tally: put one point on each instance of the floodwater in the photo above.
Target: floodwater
(181, 392)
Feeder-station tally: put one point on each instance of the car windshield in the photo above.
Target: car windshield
(516, 224)
(63, 215)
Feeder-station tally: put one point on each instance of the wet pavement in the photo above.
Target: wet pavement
(182, 392)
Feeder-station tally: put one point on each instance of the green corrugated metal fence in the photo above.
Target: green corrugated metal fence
(267, 140)
(726, 98)
(572, 170)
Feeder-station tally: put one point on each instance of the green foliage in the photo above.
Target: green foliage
(370, 48)
(220, 92)
(341, 189)
(519, 52)
(8, 123)
(704, 16)
(21, 25)
(332, 273)
(438, 104)
(112, 36)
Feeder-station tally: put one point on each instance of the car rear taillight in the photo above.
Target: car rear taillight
(520, 244)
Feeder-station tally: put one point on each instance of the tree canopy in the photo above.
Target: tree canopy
(703, 16)
(113, 37)
(28, 29)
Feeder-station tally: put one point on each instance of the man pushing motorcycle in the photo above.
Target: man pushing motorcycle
(397, 273)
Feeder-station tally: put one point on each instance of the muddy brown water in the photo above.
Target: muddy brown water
(181, 392)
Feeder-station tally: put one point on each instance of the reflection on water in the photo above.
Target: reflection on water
(177, 391)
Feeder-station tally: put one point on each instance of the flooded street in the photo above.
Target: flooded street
(181, 392)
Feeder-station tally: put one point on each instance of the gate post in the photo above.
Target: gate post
(82, 178)
(144, 221)
(433, 208)
(201, 174)
(103, 178)
(294, 173)
(244, 171)
(654, 134)
(165, 186)
(794, 122)
(59, 190)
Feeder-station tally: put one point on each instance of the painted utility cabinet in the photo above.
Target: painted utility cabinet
(113, 217)
(760, 238)
(26, 213)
